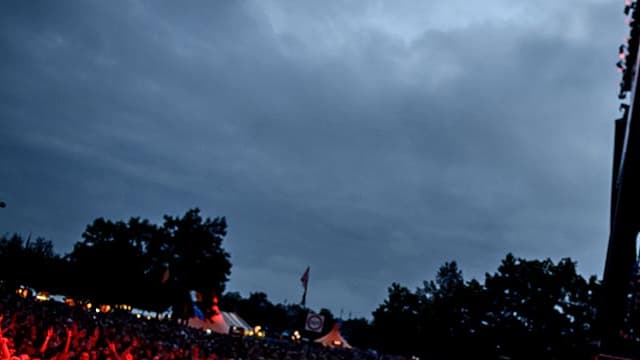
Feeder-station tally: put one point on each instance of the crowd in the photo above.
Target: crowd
(50, 330)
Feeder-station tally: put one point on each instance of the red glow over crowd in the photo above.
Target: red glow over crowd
(49, 330)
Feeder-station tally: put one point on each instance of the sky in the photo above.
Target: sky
(370, 140)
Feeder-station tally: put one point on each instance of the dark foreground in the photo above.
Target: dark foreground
(51, 330)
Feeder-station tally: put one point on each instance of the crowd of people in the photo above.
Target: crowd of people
(33, 329)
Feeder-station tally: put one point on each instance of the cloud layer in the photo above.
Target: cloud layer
(370, 140)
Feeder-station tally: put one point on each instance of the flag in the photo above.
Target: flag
(305, 283)
(305, 278)
(197, 312)
(195, 299)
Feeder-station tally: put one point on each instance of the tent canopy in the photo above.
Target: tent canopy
(232, 319)
(333, 339)
(220, 323)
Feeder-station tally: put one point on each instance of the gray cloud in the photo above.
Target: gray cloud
(372, 142)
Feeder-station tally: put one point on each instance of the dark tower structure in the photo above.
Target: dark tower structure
(625, 196)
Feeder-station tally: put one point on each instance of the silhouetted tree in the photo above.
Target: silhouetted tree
(451, 313)
(329, 321)
(152, 267)
(396, 321)
(192, 249)
(540, 309)
(30, 262)
(359, 333)
(110, 263)
(528, 309)
(231, 301)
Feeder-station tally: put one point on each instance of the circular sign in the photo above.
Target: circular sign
(314, 322)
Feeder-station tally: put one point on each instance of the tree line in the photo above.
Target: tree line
(526, 309)
(134, 262)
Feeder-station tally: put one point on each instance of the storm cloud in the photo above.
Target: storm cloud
(370, 140)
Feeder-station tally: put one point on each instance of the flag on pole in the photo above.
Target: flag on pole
(305, 283)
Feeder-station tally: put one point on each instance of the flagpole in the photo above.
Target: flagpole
(304, 298)
(305, 283)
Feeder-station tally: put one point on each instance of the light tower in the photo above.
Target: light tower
(625, 196)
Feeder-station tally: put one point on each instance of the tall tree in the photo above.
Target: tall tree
(110, 262)
(540, 309)
(30, 262)
(451, 313)
(527, 309)
(395, 322)
(192, 249)
(150, 266)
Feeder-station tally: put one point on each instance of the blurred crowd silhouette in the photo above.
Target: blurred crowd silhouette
(50, 330)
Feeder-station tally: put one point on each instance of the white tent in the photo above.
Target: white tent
(220, 323)
(232, 319)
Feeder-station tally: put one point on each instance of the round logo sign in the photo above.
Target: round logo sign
(314, 322)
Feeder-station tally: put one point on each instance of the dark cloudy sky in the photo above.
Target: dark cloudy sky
(371, 140)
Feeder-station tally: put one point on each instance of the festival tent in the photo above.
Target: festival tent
(233, 320)
(220, 323)
(334, 339)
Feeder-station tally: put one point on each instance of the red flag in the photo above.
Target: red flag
(305, 278)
